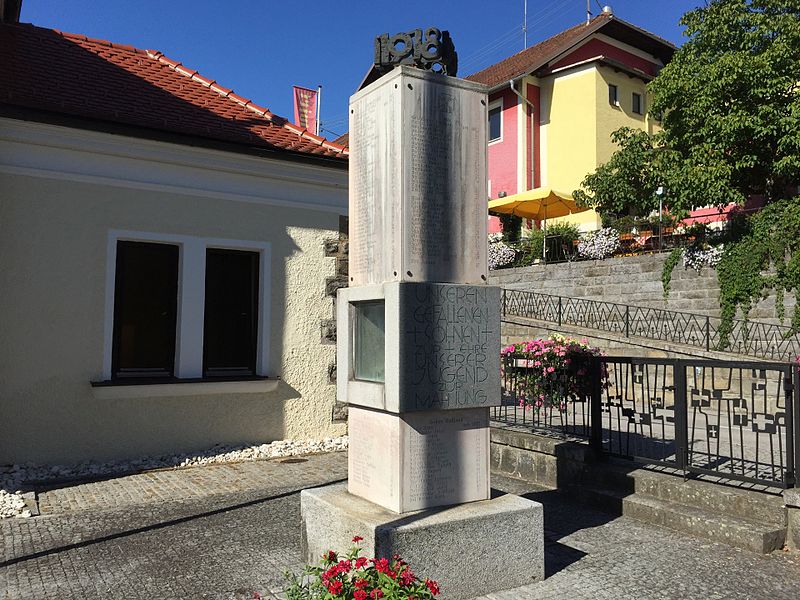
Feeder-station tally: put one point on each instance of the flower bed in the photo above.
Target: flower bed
(356, 577)
(549, 372)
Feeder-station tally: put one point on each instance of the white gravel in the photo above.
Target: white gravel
(14, 477)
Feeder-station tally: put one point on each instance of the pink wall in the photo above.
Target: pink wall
(502, 155)
(533, 137)
(597, 47)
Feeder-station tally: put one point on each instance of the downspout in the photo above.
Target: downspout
(518, 93)
(533, 114)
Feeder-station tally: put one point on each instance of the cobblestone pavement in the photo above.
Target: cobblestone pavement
(230, 530)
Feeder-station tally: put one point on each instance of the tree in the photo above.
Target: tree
(729, 103)
(627, 183)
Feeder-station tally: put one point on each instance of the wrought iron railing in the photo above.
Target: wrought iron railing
(735, 421)
(749, 338)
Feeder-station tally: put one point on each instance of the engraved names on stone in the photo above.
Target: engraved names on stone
(446, 206)
(446, 458)
(419, 459)
(449, 346)
(418, 180)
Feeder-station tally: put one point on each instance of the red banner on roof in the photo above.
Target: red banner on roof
(305, 108)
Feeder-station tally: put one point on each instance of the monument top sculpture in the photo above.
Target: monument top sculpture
(430, 49)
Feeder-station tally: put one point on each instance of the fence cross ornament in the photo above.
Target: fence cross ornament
(430, 49)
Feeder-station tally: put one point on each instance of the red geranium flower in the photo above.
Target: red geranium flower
(361, 561)
(330, 555)
(344, 566)
(361, 583)
(376, 593)
(407, 577)
(432, 586)
(382, 565)
(360, 595)
(357, 539)
(334, 587)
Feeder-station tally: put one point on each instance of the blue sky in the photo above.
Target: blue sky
(261, 48)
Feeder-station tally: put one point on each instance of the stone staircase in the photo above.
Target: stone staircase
(750, 519)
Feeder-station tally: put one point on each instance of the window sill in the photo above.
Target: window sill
(148, 388)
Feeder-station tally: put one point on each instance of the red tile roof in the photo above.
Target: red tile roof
(70, 74)
(532, 58)
(343, 140)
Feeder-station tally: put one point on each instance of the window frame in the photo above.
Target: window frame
(494, 105)
(141, 373)
(615, 101)
(191, 297)
(640, 111)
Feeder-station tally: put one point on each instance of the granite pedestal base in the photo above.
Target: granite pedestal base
(470, 549)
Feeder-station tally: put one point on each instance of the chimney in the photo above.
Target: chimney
(9, 11)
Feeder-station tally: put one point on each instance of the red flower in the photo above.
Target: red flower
(357, 539)
(432, 586)
(361, 583)
(361, 561)
(381, 565)
(344, 566)
(376, 593)
(360, 595)
(334, 587)
(407, 577)
(330, 555)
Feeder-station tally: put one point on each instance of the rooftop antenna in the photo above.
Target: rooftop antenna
(588, 11)
(525, 26)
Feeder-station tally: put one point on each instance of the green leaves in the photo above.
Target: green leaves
(729, 102)
(628, 180)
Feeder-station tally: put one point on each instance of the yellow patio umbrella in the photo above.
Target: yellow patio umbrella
(538, 204)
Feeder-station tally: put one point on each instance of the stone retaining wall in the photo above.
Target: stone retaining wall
(633, 280)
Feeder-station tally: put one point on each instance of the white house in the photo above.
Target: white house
(163, 268)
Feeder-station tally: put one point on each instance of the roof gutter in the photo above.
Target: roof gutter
(520, 94)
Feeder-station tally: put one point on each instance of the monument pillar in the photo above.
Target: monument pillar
(418, 347)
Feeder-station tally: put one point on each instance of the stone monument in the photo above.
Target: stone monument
(418, 349)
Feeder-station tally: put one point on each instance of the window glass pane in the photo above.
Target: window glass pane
(230, 333)
(369, 324)
(637, 103)
(612, 94)
(494, 123)
(145, 310)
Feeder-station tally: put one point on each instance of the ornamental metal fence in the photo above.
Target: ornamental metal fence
(749, 338)
(727, 420)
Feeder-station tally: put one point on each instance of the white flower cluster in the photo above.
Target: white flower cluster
(697, 258)
(495, 237)
(13, 477)
(500, 255)
(599, 244)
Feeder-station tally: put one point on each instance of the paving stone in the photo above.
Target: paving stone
(223, 532)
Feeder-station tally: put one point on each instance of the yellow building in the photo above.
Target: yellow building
(553, 106)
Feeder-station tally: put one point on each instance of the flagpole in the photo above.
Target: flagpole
(319, 107)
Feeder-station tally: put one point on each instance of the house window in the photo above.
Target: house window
(496, 121)
(613, 98)
(186, 307)
(145, 310)
(637, 103)
(230, 332)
